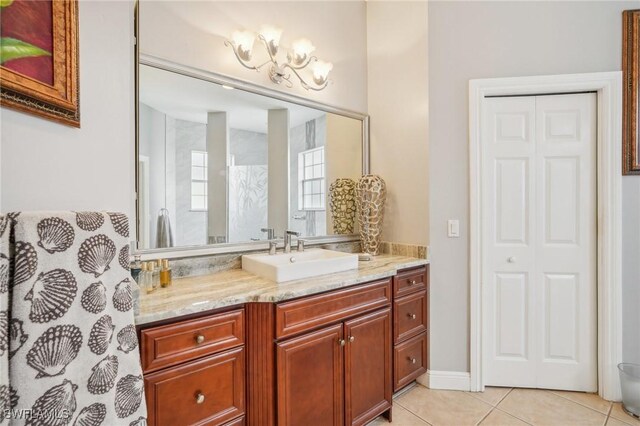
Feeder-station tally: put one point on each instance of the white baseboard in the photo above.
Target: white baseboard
(446, 380)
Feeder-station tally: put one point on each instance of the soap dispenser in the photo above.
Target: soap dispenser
(165, 274)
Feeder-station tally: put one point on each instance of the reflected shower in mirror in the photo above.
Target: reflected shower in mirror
(223, 166)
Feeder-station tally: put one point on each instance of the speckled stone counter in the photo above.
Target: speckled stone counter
(233, 287)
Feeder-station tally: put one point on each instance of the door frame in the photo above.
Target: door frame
(608, 87)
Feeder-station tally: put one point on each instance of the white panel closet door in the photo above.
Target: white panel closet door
(539, 241)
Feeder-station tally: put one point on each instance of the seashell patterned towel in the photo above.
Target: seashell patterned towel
(68, 344)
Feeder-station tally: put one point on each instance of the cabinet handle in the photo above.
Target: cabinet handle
(412, 316)
(341, 342)
(199, 398)
(351, 339)
(413, 360)
(412, 282)
(199, 339)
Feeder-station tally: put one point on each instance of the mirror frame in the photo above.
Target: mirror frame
(225, 248)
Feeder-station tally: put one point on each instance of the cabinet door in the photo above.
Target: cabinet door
(368, 367)
(310, 378)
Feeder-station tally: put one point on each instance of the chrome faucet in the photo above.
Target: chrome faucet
(287, 240)
(270, 233)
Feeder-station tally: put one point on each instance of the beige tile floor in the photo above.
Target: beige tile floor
(420, 406)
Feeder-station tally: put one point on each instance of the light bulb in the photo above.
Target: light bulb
(321, 71)
(301, 50)
(243, 41)
(271, 36)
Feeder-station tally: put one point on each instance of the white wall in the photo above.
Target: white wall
(398, 106)
(48, 166)
(470, 40)
(193, 33)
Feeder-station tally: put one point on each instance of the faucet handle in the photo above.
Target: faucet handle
(273, 245)
(301, 244)
(270, 232)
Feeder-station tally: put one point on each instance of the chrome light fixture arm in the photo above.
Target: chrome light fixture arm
(229, 43)
(303, 65)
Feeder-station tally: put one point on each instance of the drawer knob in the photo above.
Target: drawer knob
(199, 339)
(199, 398)
(413, 360)
(412, 282)
(412, 316)
(341, 342)
(351, 339)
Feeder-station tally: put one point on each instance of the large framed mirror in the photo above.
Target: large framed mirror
(223, 164)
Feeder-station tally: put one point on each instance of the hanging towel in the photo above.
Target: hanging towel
(164, 236)
(68, 344)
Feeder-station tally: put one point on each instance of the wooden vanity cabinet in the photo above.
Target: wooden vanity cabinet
(410, 325)
(333, 358)
(341, 373)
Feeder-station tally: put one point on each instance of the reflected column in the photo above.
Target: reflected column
(278, 186)
(217, 179)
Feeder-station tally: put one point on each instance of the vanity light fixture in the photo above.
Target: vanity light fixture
(298, 57)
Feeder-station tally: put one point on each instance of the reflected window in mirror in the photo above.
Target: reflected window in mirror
(311, 183)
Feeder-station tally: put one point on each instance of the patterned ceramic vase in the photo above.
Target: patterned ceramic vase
(371, 194)
(342, 200)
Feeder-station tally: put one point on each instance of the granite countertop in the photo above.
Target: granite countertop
(191, 295)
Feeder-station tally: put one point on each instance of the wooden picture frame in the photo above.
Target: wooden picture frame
(58, 98)
(631, 92)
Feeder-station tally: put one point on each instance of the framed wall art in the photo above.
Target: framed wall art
(631, 92)
(39, 58)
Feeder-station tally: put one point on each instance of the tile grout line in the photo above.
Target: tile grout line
(493, 407)
(609, 413)
(417, 416)
(503, 398)
(566, 399)
(579, 403)
(486, 415)
(514, 416)
(626, 421)
(507, 412)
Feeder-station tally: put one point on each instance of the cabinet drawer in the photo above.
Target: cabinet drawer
(315, 311)
(409, 361)
(172, 344)
(209, 391)
(409, 316)
(410, 281)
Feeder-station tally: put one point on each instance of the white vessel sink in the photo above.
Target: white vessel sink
(294, 266)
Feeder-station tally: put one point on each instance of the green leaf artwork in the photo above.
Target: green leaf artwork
(10, 48)
(5, 3)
